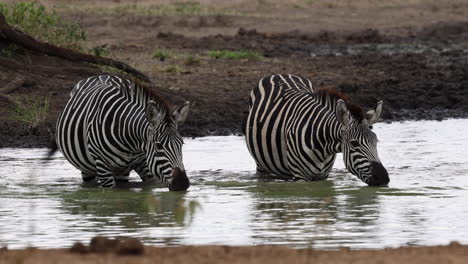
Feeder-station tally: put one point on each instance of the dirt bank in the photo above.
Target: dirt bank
(454, 253)
(417, 66)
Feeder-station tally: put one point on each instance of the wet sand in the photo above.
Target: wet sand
(453, 253)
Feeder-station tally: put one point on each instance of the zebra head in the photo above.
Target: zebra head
(359, 144)
(164, 146)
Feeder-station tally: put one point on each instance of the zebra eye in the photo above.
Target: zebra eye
(354, 143)
(158, 145)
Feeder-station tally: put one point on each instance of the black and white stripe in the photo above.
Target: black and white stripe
(111, 126)
(295, 131)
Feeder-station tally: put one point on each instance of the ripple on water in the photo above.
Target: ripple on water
(45, 205)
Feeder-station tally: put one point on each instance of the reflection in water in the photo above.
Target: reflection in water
(134, 212)
(293, 211)
(304, 213)
(131, 208)
(226, 204)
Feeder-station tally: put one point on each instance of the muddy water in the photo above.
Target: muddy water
(45, 205)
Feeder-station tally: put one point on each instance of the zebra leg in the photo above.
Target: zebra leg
(265, 174)
(105, 175)
(122, 178)
(262, 171)
(89, 178)
(144, 173)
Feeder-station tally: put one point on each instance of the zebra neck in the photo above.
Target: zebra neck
(137, 130)
(316, 128)
(141, 96)
(329, 129)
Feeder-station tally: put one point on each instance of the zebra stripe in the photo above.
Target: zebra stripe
(294, 131)
(105, 132)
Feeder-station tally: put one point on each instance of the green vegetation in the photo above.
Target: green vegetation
(100, 51)
(112, 70)
(8, 51)
(234, 55)
(162, 54)
(32, 111)
(42, 24)
(192, 60)
(173, 68)
(188, 59)
(182, 8)
(177, 8)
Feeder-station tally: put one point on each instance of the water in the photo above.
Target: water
(424, 204)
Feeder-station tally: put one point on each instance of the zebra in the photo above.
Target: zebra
(111, 126)
(294, 131)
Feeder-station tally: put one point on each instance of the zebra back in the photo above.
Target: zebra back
(282, 112)
(132, 90)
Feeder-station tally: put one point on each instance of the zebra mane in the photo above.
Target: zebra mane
(355, 110)
(150, 92)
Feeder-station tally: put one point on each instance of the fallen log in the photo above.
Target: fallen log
(24, 40)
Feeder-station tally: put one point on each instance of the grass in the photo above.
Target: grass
(162, 54)
(100, 51)
(176, 8)
(8, 51)
(234, 55)
(45, 25)
(192, 60)
(32, 111)
(188, 59)
(37, 21)
(173, 68)
(112, 70)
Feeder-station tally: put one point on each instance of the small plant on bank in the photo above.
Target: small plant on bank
(174, 68)
(173, 8)
(162, 54)
(42, 24)
(100, 51)
(32, 111)
(114, 71)
(192, 60)
(234, 55)
(8, 51)
(187, 8)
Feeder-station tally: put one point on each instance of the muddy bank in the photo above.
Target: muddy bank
(419, 72)
(453, 253)
(435, 38)
(412, 86)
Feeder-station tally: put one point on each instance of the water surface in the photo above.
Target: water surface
(45, 205)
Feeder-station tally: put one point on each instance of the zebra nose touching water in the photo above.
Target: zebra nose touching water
(111, 126)
(295, 132)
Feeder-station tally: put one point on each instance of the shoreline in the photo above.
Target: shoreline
(42, 138)
(452, 253)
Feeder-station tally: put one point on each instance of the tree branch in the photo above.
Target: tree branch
(22, 39)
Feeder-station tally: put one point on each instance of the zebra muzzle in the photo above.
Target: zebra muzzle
(179, 181)
(379, 175)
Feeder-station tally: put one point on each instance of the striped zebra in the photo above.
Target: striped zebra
(294, 131)
(111, 126)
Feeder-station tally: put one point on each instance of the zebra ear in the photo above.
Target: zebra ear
(342, 113)
(181, 113)
(373, 116)
(155, 113)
